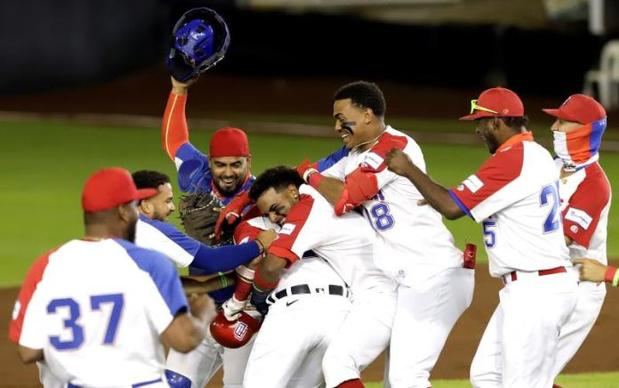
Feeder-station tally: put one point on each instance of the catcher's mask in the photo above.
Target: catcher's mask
(200, 40)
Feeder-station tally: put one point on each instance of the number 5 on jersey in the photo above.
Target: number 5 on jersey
(549, 197)
(77, 331)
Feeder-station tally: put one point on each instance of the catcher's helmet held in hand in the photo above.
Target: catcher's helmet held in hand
(200, 39)
(234, 334)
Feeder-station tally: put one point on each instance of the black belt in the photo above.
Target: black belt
(302, 289)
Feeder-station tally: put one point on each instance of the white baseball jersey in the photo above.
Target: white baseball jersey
(515, 195)
(346, 243)
(97, 309)
(585, 203)
(415, 243)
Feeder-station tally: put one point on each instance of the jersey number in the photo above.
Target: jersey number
(381, 217)
(77, 331)
(489, 235)
(550, 194)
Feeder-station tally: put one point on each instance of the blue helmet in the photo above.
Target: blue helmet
(200, 39)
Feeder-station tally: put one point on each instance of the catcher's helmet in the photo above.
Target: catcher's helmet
(200, 39)
(234, 334)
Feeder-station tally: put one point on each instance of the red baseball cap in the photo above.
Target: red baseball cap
(495, 102)
(110, 187)
(229, 142)
(579, 108)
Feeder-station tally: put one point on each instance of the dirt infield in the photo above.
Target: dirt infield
(599, 353)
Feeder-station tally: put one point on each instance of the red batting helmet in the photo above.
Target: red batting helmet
(234, 334)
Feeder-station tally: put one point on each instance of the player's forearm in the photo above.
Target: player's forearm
(225, 258)
(330, 188)
(269, 272)
(174, 129)
(435, 194)
(206, 284)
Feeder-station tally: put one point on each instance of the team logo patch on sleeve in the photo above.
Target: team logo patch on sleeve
(287, 229)
(373, 160)
(579, 217)
(473, 183)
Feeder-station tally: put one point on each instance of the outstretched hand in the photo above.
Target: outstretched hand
(398, 162)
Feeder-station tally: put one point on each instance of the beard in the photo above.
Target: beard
(229, 186)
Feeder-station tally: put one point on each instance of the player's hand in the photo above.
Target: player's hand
(232, 308)
(231, 214)
(266, 237)
(591, 270)
(306, 168)
(398, 162)
(201, 306)
(181, 88)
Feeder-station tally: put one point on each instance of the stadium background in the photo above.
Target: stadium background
(82, 86)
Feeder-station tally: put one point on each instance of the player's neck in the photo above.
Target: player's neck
(97, 232)
(366, 145)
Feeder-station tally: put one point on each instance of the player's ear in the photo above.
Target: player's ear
(368, 115)
(145, 206)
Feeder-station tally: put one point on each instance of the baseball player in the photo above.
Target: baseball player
(225, 173)
(97, 310)
(415, 249)
(154, 233)
(515, 196)
(311, 268)
(585, 195)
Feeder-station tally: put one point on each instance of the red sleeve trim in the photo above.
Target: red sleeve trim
(295, 221)
(496, 172)
(245, 230)
(33, 277)
(591, 196)
(174, 129)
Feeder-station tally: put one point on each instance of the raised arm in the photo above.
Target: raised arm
(174, 129)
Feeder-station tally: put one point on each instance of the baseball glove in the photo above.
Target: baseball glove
(200, 39)
(199, 212)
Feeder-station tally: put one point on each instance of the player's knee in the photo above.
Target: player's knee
(177, 380)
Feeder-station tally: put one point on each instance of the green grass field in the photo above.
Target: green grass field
(45, 164)
(585, 380)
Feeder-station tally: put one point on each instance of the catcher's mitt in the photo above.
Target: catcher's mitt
(199, 212)
(200, 39)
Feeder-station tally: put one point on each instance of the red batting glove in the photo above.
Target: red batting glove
(232, 212)
(344, 204)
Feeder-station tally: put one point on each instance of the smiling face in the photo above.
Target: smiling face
(352, 123)
(229, 173)
(276, 204)
(160, 206)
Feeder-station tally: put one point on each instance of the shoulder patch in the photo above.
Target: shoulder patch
(473, 183)
(579, 217)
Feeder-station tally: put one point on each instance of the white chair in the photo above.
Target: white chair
(607, 77)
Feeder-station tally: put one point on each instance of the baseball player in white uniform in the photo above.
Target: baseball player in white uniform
(326, 257)
(414, 248)
(97, 310)
(585, 194)
(199, 366)
(515, 196)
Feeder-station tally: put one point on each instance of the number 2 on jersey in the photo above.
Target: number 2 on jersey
(77, 331)
(550, 194)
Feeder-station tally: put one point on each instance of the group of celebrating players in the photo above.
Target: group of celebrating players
(333, 262)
